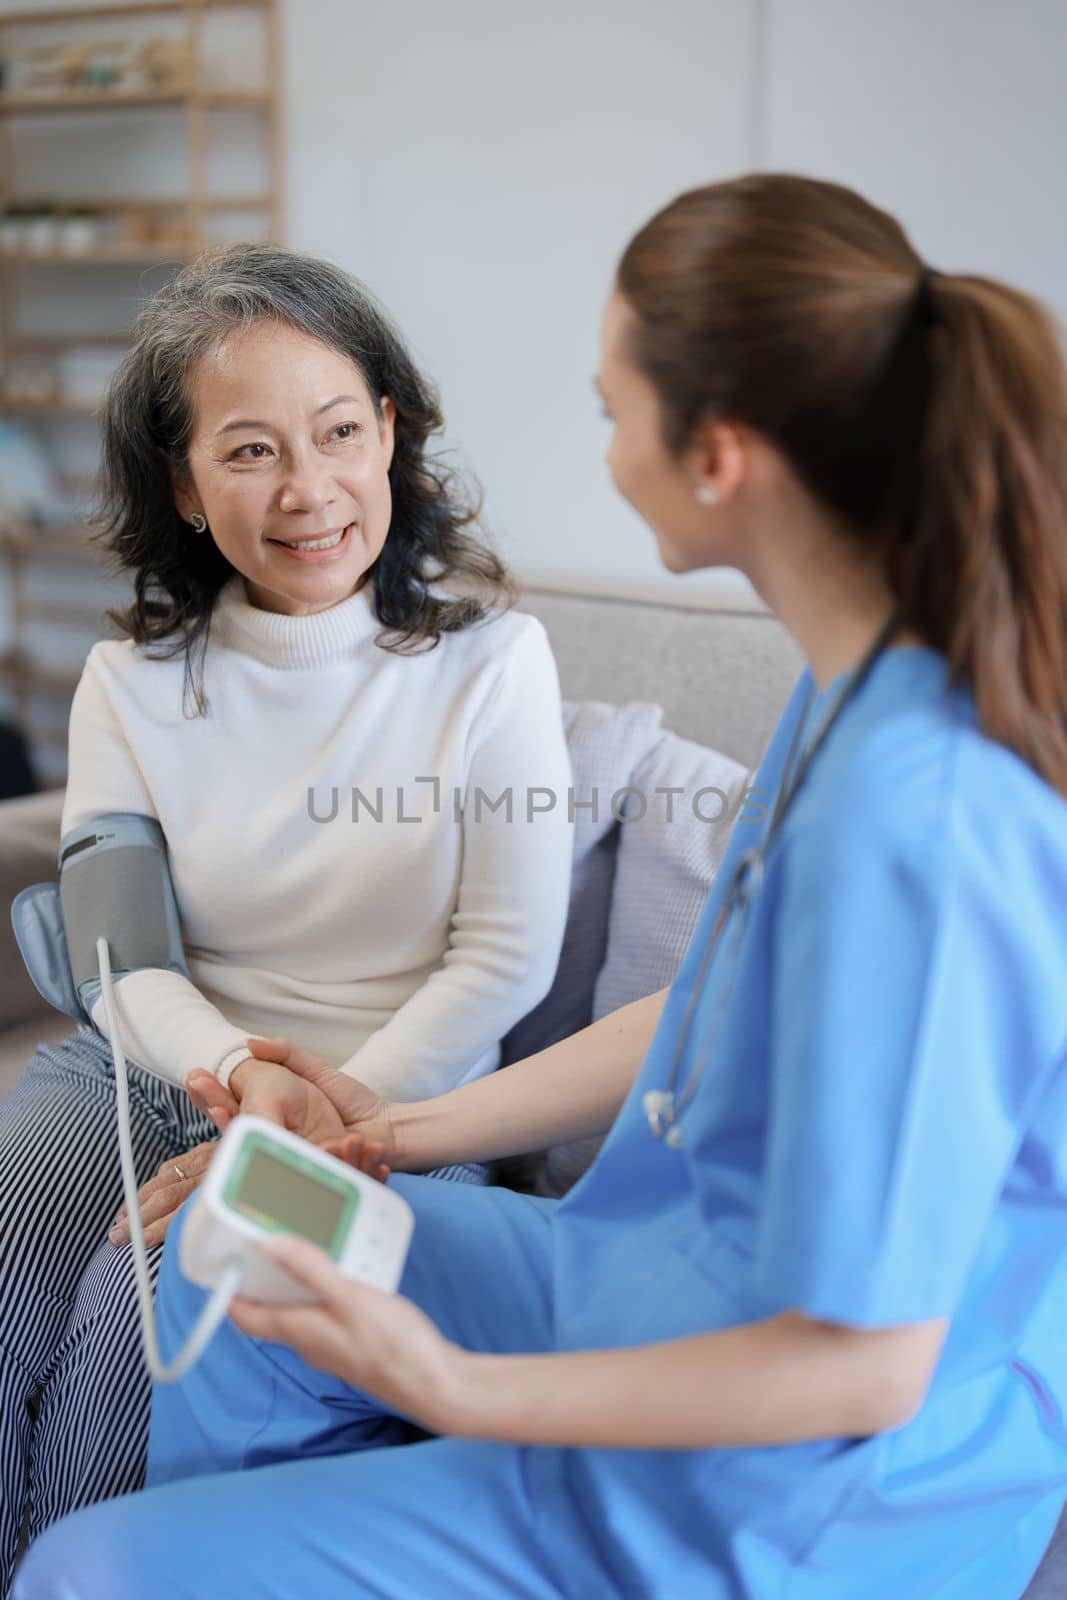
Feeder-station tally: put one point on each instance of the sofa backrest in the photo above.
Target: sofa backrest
(721, 666)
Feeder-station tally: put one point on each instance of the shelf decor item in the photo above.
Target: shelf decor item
(84, 374)
(78, 230)
(167, 65)
(29, 384)
(27, 483)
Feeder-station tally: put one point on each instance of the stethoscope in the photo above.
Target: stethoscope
(664, 1107)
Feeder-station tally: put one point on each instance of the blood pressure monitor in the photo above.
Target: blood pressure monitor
(263, 1181)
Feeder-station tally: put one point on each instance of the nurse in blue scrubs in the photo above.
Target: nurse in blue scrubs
(799, 1332)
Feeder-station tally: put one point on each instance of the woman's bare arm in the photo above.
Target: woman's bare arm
(569, 1091)
(773, 1382)
(778, 1381)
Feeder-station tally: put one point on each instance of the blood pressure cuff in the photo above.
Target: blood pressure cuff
(114, 880)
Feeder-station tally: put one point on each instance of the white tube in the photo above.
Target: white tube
(219, 1303)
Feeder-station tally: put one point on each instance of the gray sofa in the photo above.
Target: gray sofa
(721, 670)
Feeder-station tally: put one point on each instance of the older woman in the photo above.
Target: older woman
(315, 725)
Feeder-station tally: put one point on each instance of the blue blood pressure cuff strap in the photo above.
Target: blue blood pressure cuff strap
(114, 880)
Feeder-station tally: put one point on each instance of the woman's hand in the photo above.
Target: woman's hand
(161, 1197)
(377, 1342)
(350, 1107)
(264, 1087)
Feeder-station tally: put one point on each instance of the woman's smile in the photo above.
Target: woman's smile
(317, 547)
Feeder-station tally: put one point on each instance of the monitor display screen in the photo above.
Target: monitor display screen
(274, 1191)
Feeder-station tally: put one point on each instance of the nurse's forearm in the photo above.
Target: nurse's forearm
(772, 1382)
(570, 1091)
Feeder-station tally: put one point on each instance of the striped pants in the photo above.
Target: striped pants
(74, 1388)
(74, 1392)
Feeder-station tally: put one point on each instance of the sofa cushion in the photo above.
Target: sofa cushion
(678, 821)
(19, 1042)
(29, 846)
(606, 744)
(670, 848)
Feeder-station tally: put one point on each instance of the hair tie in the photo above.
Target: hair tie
(924, 308)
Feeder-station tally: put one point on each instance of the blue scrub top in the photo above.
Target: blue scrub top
(879, 1137)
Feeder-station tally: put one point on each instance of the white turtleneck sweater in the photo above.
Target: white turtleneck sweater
(399, 950)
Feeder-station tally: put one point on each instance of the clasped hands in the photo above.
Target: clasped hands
(285, 1085)
(373, 1340)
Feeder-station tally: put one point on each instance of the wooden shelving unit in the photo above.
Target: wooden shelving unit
(150, 202)
(95, 229)
(56, 343)
(119, 256)
(102, 100)
(13, 409)
(29, 678)
(69, 542)
(120, 11)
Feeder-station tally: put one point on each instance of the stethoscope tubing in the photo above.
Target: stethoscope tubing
(664, 1107)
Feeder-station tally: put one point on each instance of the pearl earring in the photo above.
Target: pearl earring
(707, 494)
(199, 522)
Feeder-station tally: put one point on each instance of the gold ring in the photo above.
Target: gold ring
(180, 1173)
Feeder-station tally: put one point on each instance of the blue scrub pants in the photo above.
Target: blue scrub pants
(256, 1486)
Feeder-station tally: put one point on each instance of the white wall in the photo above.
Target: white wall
(952, 114)
(481, 164)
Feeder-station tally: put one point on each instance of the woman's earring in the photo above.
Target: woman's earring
(707, 494)
(199, 522)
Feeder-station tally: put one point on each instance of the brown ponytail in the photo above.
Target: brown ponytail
(927, 412)
(984, 570)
